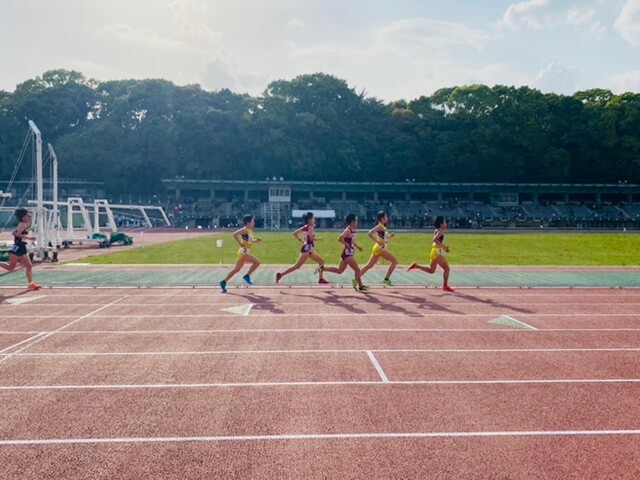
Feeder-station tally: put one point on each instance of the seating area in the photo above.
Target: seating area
(416, 214)
(573, 212)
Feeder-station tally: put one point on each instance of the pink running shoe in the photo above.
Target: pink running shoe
(413, 266)
(324, 282)
(33, 287)
(447, 288)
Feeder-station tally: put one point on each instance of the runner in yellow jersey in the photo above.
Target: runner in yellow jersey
(381, 236)
(437, 255)
(245, 239)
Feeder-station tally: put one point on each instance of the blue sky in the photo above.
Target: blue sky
(393, 49)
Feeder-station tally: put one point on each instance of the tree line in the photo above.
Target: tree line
(133, 133)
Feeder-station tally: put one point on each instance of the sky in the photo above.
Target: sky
(392, 49)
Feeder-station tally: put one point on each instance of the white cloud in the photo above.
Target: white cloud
(142, 36)
(392, 52)
(408, 58)
(219, 74)
(531, 13)
(296, 23)
(542, 14)
(577, 17)
(557, 78)
(624, 82)
(184, 13)
(628, 22)
(434, 33)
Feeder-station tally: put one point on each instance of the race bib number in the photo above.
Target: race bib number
(15, 249)
(244, 251)
(348, 251)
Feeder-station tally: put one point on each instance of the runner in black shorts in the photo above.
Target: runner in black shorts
(307, 251)
(18, 253)
(347, 259)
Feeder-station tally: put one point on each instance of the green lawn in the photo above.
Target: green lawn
(466, 249)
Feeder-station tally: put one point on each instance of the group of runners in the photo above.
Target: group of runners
(307, 236)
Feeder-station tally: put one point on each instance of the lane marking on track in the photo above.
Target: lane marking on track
(509, 290)
(320, 351)
(500, 299)
(374, 313)
(320, 436)
(22, 302)
(353, 383)
(377, 366)
(317, 330)
(243, 310)
(507, 320)
(342, 315)
(47, 335)
(11, 347)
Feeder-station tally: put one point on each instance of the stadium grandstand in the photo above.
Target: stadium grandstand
(219, 203)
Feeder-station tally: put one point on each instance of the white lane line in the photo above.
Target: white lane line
(484, 303)
(377, 366)
(205, 292)
(353, 383)
(320, 436)
(11, 347)
(318, 330)
(320, 351)
(47, 335)
(369, 314)
(365, 315)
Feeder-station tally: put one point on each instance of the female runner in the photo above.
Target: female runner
(437, 257)
(245, 239)
(307, 251)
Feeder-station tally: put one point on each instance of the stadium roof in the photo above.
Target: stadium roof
(435, 187)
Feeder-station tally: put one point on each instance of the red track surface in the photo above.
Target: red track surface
(401, 383)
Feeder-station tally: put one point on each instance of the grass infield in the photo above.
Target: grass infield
(522, 249)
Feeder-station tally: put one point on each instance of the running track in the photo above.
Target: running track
(319, 383)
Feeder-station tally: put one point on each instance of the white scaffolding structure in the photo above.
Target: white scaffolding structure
(76, 205)
(143, 210)
(271, 213)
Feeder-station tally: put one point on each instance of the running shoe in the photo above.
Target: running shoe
(322, 281)
(447, 288)
(33, 287)
(388, 282)
(363, 288)
(223, 286)
(278, 277)
(318, 269)
(413, 266)
(247, 280)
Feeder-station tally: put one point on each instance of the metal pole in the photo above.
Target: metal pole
(56, 213)
(40, 189)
